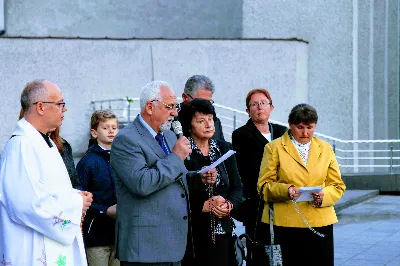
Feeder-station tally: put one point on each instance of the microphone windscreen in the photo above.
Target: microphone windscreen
(177, 127)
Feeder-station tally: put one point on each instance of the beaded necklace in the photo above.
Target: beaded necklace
(82, 219)
(212, 215)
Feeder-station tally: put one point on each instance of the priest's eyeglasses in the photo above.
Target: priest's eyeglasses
(60, 105)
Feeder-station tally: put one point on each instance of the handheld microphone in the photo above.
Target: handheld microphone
(177, 127)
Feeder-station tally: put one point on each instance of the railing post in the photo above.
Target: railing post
(129, 111)
(391, 159)
(234, 120)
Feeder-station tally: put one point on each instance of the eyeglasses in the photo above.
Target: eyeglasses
(61, 105)
(261, 104)
(191, 97)
(170, 107)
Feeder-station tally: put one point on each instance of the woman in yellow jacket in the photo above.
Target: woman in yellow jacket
(297, 159)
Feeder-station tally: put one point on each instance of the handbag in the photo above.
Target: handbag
(273, 251)
(256, 251)
(239, 248)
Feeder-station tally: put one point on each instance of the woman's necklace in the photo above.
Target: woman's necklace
(212, 215)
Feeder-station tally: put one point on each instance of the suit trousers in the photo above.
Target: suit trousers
(125, 263)
(101, 256)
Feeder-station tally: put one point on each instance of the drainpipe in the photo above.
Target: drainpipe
(2, 18)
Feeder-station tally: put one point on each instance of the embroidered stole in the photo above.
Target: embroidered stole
(56, 252)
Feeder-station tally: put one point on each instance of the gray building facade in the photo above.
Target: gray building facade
(340, 56)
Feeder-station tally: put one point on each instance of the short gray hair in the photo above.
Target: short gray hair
(198, 82)
(151, 91)
(33, 92)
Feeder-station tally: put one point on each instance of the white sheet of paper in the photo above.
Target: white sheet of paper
(306, 193)
(217, 162)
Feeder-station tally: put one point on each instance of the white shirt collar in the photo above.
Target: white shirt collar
(303, 149)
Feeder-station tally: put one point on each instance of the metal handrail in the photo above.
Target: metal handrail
(233, 120)
(341, 150)
(369, 166)
(367, 158)
(316, 133)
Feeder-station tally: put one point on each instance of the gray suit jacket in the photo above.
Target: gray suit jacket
(151, 188)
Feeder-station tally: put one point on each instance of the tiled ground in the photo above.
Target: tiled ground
(367, 233)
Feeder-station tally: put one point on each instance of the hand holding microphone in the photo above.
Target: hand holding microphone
(182, 147)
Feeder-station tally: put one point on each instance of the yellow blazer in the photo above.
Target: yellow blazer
(282, 167)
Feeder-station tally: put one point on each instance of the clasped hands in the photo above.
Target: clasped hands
(317, 197)
(219, 206)
(87, 200)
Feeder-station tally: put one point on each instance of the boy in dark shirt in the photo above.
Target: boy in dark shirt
(95, 176)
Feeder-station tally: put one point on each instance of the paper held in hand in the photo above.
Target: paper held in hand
(306, 193)
(217, 162)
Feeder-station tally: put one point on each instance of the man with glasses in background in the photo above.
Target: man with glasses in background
(199, 86)
(40, 212)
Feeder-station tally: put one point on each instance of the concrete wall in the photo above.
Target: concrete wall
(344, 59)
(393, 70)
(341, 35)
(89, 70)
(2, 16)
(125, 18)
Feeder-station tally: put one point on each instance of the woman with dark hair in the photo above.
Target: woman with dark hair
(65, 150)
(66, 154)
(298, 159)
(211, 204)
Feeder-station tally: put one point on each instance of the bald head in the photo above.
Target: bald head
(43, 105)
(34, 91)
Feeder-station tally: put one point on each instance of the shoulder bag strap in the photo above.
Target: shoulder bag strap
(271, 223)
(271, 130)
(271, 217)
(258, 213)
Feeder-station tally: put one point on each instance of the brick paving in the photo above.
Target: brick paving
(368, 233)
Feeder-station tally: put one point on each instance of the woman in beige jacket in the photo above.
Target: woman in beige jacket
(295, 160)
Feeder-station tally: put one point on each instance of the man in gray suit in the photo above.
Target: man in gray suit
(150, 181)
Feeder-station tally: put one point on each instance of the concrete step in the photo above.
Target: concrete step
(385, 182)
(352, 197)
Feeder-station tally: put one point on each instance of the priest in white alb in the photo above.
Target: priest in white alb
(40, 212)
